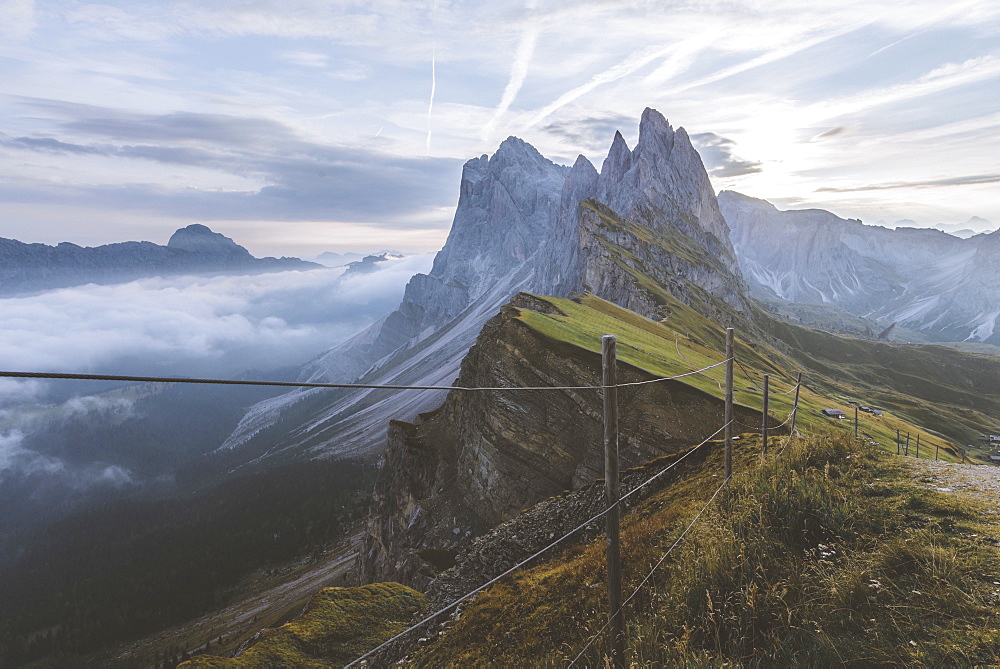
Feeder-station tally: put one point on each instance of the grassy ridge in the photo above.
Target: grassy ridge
(824, 555)
(686, 341)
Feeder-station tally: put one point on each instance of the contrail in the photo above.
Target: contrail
(637, 60)
(430, 105)
(518, 73)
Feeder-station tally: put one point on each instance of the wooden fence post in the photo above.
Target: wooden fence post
(610, 381)
(918, 445)
(729, 403)
(936, 447)
(763, 425)
(907, 452)
(855, 421)
(897, 442)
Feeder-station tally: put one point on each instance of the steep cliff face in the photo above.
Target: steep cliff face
(191, 250)
(651, 211)
(635, 265)
(664, 184)
(924, 279)
(522, 225)
(482, 457)
(508, 205)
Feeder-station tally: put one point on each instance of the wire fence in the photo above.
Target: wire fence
(613, 614)
(354, 386)
(645, 580)
(536, 554)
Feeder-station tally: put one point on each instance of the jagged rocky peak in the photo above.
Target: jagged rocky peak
(616, 165)
(508, 205)
(200, 239)
(664, 175)
(526, 224)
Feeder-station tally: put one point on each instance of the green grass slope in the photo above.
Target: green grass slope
(338, 625)
(952, 396)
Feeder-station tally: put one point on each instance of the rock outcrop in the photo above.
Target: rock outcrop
(481, 458)
(191, 250)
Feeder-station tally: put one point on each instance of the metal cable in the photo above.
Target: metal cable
(650, 574)
(747, 374)
(537, 553)
(297, 384)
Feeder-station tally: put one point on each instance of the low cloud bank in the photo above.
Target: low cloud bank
(195, 325)
(222, 326)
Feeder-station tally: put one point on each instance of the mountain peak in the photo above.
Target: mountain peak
(198, 238)
(617, 164)
(516, 149)
(656, 137)
(653, 121)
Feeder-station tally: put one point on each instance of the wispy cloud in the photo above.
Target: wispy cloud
(969, 180)
(304, 180)
(196, 325)
(17, 459)
(588, 131)
(306, 58)
(430, 103)
(942, 78)
(518, 71)
(320, 78)
(636, 61)
(18, 19)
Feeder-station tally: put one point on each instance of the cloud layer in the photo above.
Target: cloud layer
(196, 325)
(225, 326)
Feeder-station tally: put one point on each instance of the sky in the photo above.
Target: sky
(303, 126)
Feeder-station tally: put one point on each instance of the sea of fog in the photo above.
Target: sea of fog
(198, 326)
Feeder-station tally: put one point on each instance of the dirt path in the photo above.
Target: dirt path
(980, 483)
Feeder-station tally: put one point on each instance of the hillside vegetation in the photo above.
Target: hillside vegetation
(952, 391)
(338, 625)
(824, 555)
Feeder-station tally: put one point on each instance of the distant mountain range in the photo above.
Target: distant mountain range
(192, 250)
(923, 279)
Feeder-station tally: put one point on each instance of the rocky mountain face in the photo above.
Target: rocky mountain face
(191, 250)
(508, 204)
(922, 279)
(481, 458)
(523, 224)
(649, 209)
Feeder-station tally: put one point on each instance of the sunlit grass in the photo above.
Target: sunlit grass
(339, 625)
(687, 340)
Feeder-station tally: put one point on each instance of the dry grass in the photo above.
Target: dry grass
(826, 555)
